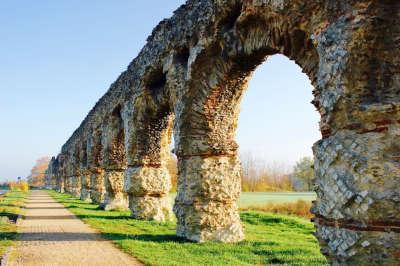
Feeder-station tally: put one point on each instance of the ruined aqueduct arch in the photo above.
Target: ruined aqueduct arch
(189, 79)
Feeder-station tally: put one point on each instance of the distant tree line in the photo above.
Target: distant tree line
(259, 175)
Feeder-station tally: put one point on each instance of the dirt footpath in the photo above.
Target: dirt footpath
(51, 235)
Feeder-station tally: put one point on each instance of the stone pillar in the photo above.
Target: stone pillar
(357, 162)
(115, 197)
(95, 157)
(50, 174)
(97, 191)
(76, 186)
(209, 182)
(147, 180)
(69, 174)
(85, 185)
(114, 162)
(76, 171)
(148, 189)
(62, 179)
(85, 173)
(59, 174)
(53, 173)
(206, 204)
(67, 184)
(209, 187)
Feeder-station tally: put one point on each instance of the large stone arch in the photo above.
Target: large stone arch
(68, 171)
(95, 158)
(206, 146)
(84, 170)
(114, 161)
(60, 174)
(148, 122)
(194, 69)
(74, 170)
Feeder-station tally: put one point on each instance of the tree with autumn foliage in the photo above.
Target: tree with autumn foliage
(261, 176)
(38, 172)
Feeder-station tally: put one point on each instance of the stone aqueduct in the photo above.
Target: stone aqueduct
(188, 81)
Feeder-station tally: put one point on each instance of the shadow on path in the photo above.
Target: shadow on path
(77, 236)
(44, 208)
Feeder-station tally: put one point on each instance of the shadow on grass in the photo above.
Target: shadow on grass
(7, 235)
(69, 217)
(42, 202)
(108, 217)
(13, 197)
(44, 208)
(11, 216)
(72, 236)
(93, 207)
(10, 205)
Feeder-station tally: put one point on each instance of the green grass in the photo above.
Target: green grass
(10, 207)
(270, 239)
(255, 198)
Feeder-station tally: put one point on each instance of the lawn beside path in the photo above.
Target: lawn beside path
(270, 238)
(10, 208)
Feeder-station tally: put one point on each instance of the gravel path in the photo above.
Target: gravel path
(51, 235)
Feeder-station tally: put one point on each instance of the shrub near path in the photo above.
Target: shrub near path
(10, 207)
(270, 239)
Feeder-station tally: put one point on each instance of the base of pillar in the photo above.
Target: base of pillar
(97, 196)
(115, 198)
(206, 203)
(115, 204)
(98, 191)
(76, 193)
(85, 195)
(212, 221)
(151, 208)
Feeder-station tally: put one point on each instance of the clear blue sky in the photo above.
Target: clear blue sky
(59, 57)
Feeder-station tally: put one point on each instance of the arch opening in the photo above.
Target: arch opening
(114, 161)
(277, 127)
(148, 136)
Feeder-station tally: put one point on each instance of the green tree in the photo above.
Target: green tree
(303, 172)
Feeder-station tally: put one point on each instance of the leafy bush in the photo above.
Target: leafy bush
(19, 186)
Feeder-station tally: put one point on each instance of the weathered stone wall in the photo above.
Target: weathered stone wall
(189, 79)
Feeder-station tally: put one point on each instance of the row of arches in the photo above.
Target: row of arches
(188, 81)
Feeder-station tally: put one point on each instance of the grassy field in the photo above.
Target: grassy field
(270, 239)
(10, 207)
(261, 198)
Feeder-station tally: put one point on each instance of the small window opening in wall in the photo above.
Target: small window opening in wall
(116, 112)
(156, 81)
(182, 56)
(229, 22)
